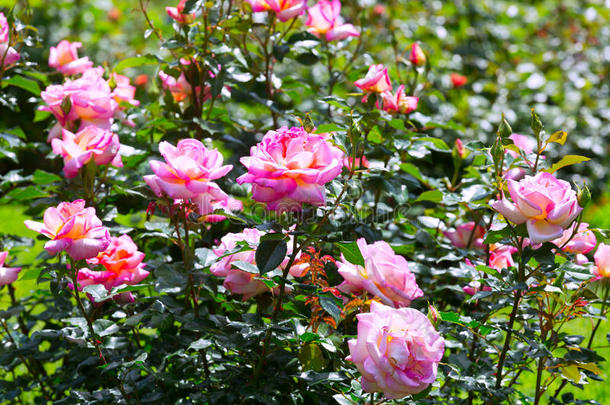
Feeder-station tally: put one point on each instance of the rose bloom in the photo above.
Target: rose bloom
(4, 28)
(385, 275)
(177, 13)
(376, 80)
(241, 282)
(90, 100)
(358, 162)
(283, 9)
(324, 20)
(501, 256)
(547, 205)
(417, 55)
(289, 167)
(474, 287)
(8, 55)
(458, 80)
(397, 351)
(582, 242)
(462, 234)
(228, 204)
(122, 263)
(7, 274)
(122, 89)
(188, 171)
(92, 142)
(64, 58)
(527, 145)
(73, 228)
(399, 102)
(602, 262)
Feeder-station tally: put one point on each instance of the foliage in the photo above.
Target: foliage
(413, 177)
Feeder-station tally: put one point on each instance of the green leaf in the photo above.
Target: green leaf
(245, 266)
(567, 160)
(496, 236)
(41, 177)
(412, 170)
(352, 253)
(269, 254)
(23, 83)
(136, 61)
(558, 137)
(571, 372)
(430, 195)
(105, 327)
(97, 291)
(311, 357)
(331, 307)
(375, 135)
(451, 317)
(200, 344)
(23, 194)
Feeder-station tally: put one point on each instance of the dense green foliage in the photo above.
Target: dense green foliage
(186, 338)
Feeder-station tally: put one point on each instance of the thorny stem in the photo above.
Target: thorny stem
(512, 317)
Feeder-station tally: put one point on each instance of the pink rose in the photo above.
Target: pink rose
(92, 142)
(177, 13)
(241, 282)
(7, 274)
(64, 58)
(399, 102)
(602, 262)
(290, 167)
(527, 146)
(4, 28)
(376, 80)
(397, 351)
(358, 162)
(547, 205)
(8, 55)
(283, 9)
(474, 287)
(73, 228)
(187, 172)
(228, 204)
(385, 275)
(88, 99)
(501, 256)
(465, 233)
(324, 19)
(122, 263)
(417, 55)
(582, 242)
(123, 91)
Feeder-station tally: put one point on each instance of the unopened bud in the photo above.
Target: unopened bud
(584, 196)
(504, 130)
(308, 124)
(458, 149)
(433, 315)
(417, 56)
(536, 124)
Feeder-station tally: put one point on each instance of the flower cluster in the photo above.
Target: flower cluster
(85, 108)
(289, 167)
(377, 80)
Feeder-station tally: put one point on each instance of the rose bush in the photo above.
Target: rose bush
(239, 206)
